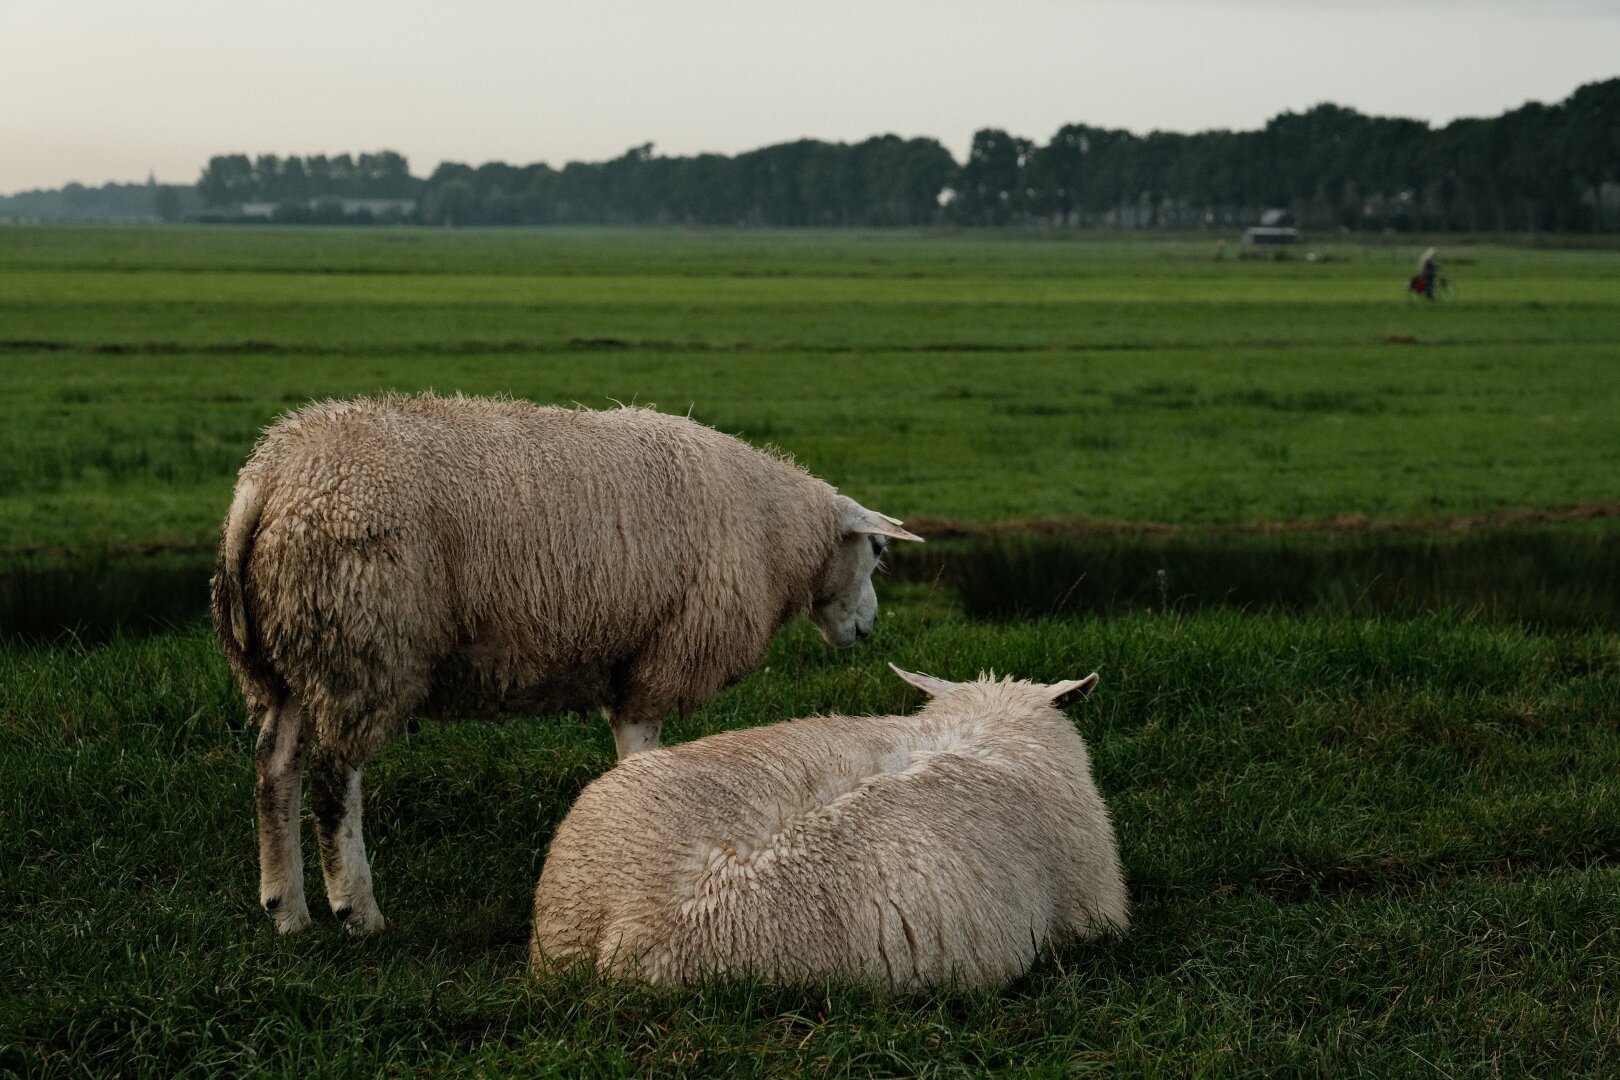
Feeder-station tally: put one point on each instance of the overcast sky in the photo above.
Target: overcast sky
(98, 91)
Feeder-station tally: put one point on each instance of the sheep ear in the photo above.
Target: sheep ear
(926, 683)
(1071, 692)
(855, 518)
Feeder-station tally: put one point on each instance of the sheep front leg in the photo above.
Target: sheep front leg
(635, 729)
(279, 764)
(334, 793)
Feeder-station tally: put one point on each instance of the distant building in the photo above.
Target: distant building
(1270, 234)
(377, 208)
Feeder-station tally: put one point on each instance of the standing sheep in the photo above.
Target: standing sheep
(906, 851)
(402, 556)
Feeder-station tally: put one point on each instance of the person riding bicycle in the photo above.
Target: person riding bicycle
(1429, 271)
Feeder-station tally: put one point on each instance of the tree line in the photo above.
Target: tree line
(234, 178)
(1539, 167)
(110, 202)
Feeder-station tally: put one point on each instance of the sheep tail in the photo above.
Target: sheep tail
(235, 543)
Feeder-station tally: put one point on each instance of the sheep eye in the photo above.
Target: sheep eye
(877, 545)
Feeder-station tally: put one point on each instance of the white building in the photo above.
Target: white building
(377, 208)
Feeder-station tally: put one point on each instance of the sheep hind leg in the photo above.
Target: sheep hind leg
(279, 763)
(334, 793)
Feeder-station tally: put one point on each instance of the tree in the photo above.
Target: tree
(227, 178)
(455, 202)
(991, 188)
(1592, 138)
(166, 203)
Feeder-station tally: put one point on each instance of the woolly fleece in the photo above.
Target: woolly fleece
(948, 846)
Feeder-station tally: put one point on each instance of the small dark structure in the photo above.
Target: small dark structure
(1259, 235)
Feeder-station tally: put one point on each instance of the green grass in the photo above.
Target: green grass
(1354, 846)
(974, 377)
(1364, 777)
(134, 449)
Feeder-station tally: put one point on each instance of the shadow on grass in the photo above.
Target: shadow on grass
(1547, 576)
(49, 598)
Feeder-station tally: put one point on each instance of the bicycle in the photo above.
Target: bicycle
(1417, 289)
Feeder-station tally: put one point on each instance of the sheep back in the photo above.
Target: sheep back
(948, 846)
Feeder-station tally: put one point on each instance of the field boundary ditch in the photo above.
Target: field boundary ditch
(1339, 525)
(1555, 568)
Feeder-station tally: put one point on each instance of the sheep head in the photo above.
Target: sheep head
(845, 605)
(1060, 694)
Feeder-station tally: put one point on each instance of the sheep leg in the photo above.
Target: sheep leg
(279, 763)
(334, 793)
(635, 729)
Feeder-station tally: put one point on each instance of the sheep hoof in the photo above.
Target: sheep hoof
(361, 922)
(290, 918)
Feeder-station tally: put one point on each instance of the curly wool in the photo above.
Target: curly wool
(397, 556)
(907, 851)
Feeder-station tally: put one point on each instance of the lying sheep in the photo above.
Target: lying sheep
(906, 851)
(407, 556)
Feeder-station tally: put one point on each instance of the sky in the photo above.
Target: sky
(96, 91)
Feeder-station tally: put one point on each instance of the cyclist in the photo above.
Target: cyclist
(1429, 271)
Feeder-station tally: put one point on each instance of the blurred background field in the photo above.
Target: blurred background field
(956, 378)
(1347, 564)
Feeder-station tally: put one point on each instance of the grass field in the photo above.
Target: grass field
(937, 376)
(1346, 565)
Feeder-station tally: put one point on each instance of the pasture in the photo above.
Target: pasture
(1345, 563)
